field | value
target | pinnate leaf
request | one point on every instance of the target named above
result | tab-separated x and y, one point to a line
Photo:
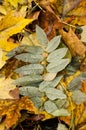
61	112
49	84
78	97
30	91
76	83
50	106
57	54
30	69
41	36
53	44
11	109
28	57
25	48
28	79
58	65
53	94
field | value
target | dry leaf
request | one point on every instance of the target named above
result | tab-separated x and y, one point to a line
10	25
49	24
83	88
6	86
11	109
14	3
2	62
69	5
14	93
71	40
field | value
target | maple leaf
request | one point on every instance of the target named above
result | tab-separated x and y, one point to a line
11	109
10	25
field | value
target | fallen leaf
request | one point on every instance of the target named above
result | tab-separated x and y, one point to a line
83	88
10	25
2	62
69	5
11	109
71	40
83	34
49	24
14	3
6	86
14	93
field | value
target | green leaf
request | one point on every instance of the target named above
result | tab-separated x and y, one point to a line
57	54
27	57
41	36
76	83
53	93
34	94
30	69
50	106
49	76
53	44
37	102
26	80
30	91
60	103
78	97
62	127
25	48
61	112
58	65
49	84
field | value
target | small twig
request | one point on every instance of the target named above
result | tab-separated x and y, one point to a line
21	127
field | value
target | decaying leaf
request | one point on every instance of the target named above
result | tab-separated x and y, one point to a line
69	5
11	109
71	40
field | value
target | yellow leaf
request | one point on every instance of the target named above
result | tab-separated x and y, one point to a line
10	25
2	10
2	126
5	86
2	62
14	3
11	109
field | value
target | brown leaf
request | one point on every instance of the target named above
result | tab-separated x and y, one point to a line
83	65
69	5
11	109
71	40
49	24
14	93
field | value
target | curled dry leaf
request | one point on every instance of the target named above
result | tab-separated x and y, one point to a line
71	40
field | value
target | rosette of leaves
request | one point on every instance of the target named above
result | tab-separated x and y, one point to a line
41	73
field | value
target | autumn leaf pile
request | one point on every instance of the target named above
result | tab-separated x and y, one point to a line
42	64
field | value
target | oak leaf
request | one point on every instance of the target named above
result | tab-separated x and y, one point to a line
11	109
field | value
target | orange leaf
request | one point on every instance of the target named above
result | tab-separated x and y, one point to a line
83	88
11	109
